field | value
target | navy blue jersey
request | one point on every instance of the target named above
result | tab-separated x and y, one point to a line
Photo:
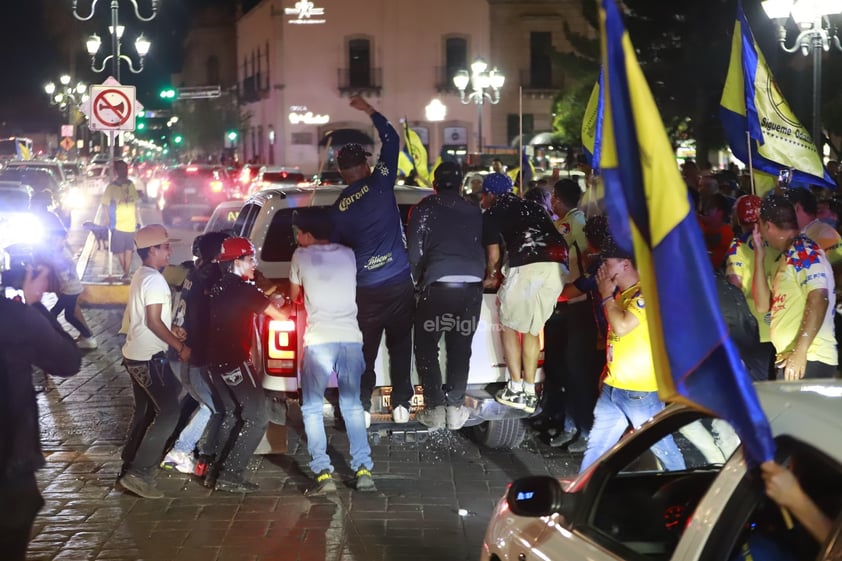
367	218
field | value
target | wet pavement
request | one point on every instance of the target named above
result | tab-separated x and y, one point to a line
435	492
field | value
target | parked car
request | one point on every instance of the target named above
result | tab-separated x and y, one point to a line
40	179
274	176
193	191
224	217
18	226
624	507
329	177
266	219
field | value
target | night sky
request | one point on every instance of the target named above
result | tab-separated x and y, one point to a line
36	39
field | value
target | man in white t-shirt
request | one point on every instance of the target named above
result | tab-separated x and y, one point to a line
154	385
326	274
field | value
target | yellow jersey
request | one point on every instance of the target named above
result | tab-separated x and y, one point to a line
122	197
803	268
740	262
629	358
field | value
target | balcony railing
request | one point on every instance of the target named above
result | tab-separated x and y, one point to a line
352	83
541	81
250	89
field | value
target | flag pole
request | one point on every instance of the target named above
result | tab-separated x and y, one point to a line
522	190
321	167
750	166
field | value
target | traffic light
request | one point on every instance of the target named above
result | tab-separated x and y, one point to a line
168	94
141	124
231	135
178	139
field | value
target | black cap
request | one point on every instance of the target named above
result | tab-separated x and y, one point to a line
352	155
612	250
448	176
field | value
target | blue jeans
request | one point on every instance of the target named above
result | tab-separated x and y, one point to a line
208	417
346	360
614	410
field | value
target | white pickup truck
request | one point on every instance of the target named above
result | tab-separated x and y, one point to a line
266	219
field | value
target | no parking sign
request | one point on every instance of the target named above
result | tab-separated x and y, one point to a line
112	107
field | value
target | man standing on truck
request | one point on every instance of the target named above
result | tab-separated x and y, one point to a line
445	250
534	274
368	221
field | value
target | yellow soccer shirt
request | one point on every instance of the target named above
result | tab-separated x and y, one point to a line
802	268
572	227
124	197
827	238
740	262
629	358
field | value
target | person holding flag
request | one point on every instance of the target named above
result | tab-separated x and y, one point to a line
651	215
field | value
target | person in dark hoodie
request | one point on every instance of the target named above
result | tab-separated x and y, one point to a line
444	239
29	335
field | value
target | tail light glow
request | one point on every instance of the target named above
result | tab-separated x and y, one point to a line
216	186
281	347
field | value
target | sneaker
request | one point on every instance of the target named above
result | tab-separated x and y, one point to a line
364	483
562	438
432	417
400	414
367	416
579	446
241	486
87	342
324	485
530	402
457	416
181	462
510	398
140	486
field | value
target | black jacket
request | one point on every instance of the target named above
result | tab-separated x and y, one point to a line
29	335
444	238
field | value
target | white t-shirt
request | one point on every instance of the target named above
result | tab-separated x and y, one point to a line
148	287
328	275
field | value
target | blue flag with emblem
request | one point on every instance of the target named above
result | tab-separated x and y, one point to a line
752	103
592	126
650	213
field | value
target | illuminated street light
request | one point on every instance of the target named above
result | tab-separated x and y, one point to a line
816	34
485	85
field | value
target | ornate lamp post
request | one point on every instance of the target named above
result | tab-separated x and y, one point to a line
485	85
67	97
816	34
435	112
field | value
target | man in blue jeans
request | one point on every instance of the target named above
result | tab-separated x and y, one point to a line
326	274
629	393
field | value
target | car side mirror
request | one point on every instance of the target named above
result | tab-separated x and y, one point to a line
535	496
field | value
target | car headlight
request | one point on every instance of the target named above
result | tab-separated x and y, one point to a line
23	228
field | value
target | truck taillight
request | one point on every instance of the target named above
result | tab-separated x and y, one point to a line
281	348
216	186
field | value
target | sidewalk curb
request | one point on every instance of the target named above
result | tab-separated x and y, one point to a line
99	294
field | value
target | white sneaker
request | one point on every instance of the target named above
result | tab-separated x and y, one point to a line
400	414
87	342
179	461
367	416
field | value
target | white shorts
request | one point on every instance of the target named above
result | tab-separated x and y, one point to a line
529	294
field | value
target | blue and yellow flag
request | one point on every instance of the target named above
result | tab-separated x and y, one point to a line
418	155
649	211
752	102
405	165
592	125
527	168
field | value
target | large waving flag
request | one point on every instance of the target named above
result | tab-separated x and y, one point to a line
592	125
649	210
526	169
418	155
752	102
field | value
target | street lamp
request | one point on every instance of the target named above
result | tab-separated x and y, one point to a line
67	97
816	34
435	111
93	43
485	86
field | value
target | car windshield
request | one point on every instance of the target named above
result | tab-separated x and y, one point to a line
223	219
14	200
39	179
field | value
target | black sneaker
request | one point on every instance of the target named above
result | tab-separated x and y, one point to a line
140	486
562	438
228	486
530	402
510	398
579	446
324	485
364	483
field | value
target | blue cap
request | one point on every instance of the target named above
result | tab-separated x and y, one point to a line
496	184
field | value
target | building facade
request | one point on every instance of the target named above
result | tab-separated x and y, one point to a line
298	63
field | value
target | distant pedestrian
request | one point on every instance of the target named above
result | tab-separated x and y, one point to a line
368	221
28	336
444	238
324	274
532	279
122	215
234	301
154	385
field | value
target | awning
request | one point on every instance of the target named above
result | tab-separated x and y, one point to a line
341	137
542	139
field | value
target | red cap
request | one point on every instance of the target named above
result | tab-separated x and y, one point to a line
748	209
234	248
